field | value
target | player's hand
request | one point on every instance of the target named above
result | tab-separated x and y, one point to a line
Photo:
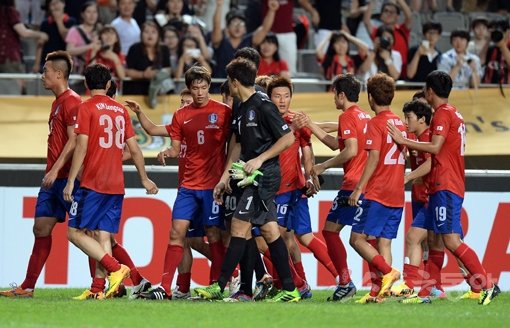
273	5
300	120
252	165
134	106
354	198
310	188
236	171
318	169
68	191
169	152
250	179
395	133
218	192
150	186
49	179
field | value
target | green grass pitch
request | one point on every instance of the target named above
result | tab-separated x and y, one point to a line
55	308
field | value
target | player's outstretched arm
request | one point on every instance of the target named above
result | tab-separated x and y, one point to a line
420	171
301	119
80	151
138	160
433	147
283	143
150	127
171	152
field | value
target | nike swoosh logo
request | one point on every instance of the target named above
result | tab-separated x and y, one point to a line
186	122
440	224
243	212
213	217
191	229
229	213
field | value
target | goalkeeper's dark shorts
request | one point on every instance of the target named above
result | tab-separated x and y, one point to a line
251	208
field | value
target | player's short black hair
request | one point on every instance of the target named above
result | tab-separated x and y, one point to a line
64	58
349	85
97	76
277	82
420	109
440	82
112	90
224	89
242	70
419	95
250	54
196	73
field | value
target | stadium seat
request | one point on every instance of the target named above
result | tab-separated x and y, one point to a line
307	61
444	43
451	20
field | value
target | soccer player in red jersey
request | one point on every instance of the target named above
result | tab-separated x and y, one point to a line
261	136
103	128
383	180
194	236
51	207
417	115
352	126
204	126
291	199
447	177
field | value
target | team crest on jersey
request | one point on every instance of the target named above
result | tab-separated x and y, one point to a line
213	118
251	118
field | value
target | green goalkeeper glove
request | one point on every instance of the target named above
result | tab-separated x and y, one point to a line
250	180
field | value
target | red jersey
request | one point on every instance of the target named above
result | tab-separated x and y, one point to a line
272	68
353	124
447	171
108	126
63	114
205	131
290	159
386	185
419	191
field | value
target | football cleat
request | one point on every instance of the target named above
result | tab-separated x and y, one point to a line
115	279
415	299
438	293
235	283
211	292
121	292
487	295
178	295
272	293
156	294
388	280
142	287
369	299
238	297
16	291
262	287
286	296
88	295
402	290
305	291
343	293
470	295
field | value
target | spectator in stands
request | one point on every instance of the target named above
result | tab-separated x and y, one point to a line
170	12
390	13
106	11
426	6
82	38
326	17
108	52
464	67
171	40
190	54
126	25
234	37
336	59
56	25
271	63
145	59
384	58
498	55
284	30
480	43
11	29
424	57
142	8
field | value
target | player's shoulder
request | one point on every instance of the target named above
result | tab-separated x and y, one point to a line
218	105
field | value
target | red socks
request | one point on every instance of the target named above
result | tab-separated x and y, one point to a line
184	281
173	257
338	255
217	257
40	253
109	263
123	257
411	275
375	277
98	285
320	252
380	264
472	264
300	270
435	262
